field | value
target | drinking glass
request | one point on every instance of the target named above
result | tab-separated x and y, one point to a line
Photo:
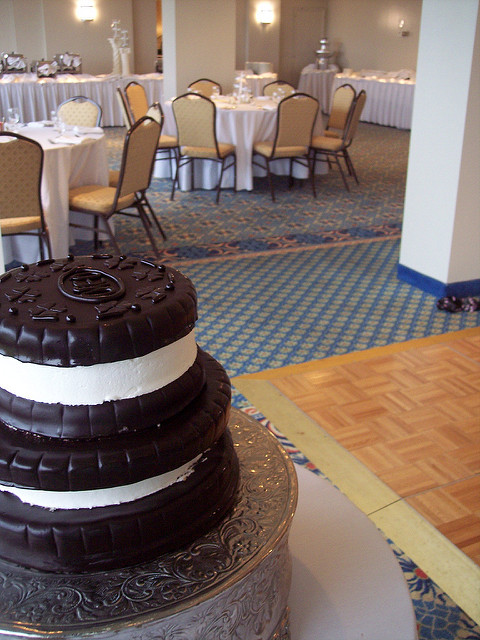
13	118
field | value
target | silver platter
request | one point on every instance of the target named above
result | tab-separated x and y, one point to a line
231	584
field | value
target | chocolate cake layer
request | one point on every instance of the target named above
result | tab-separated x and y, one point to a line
92	309
56	464
117	416
116	536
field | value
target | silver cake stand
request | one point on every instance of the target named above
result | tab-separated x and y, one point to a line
231	584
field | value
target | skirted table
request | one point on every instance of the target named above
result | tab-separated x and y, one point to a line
389	100
37	97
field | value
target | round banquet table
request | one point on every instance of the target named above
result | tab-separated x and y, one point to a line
389	100
241	125
37	97
81	160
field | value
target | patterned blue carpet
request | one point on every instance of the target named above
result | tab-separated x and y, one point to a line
300	279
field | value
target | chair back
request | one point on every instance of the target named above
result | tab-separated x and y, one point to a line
155	111
138	157
195	117
204	87
137	101
284	89
355	117
341	107
21	166
295	120
80	111
122	103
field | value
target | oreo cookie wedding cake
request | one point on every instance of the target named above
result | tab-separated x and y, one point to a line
114	446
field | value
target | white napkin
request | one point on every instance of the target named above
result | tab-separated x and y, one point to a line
66	139
87	130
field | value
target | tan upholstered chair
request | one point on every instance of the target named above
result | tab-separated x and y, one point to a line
340	111
133	181
330	149
284	89
21	211
204	87
124	108
195	116
80	111
295	119
137	100
136	106
167	145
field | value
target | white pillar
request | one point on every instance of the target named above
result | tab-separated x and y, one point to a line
199	41
440	249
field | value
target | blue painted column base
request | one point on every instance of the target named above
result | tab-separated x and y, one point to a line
437	288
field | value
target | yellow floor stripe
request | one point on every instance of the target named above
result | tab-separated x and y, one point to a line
446	565
357	356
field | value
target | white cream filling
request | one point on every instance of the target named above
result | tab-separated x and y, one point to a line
98	383
101	497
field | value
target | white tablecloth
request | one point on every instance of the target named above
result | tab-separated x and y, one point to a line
242	126
64	167
36	98
317	83
346	582
389	101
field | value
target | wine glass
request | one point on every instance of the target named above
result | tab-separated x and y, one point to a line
13	118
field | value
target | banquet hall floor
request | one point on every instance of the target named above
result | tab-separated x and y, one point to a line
397	429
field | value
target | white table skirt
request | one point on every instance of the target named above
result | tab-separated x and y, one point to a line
255	83
389	102
317	83
346	582
64	167
36	98
242	126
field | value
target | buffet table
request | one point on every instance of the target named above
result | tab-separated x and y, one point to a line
389	100
64	166
37	97
317	83
241	125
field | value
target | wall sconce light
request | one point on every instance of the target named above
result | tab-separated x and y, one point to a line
265	13
86	11
402	31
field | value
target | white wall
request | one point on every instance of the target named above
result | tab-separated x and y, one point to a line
441	229
199	42
42	28
365	32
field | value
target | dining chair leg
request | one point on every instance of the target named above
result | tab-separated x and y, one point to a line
342	173
110	234
146	202
290	174
219	186
349	164
147	226
270	181
48	244
234	174
311	171
175	180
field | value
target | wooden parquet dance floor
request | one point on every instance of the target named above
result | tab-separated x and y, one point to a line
397	429
413	418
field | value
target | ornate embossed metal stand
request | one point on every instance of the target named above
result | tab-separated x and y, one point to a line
231	584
